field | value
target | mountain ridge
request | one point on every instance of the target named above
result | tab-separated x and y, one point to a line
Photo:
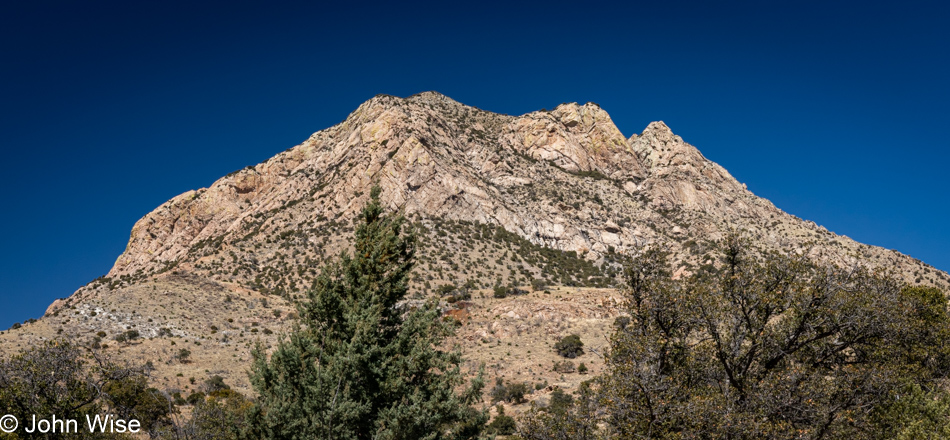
574	138
455	161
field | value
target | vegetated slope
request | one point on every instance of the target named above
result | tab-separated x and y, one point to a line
557	195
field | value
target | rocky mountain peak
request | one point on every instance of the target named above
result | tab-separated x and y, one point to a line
658	127
432	97
565	179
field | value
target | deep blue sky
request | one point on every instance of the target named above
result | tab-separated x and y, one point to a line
835	111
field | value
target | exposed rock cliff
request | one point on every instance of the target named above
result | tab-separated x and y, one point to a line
567	179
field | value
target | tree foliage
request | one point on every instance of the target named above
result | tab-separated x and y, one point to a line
60	379
132	398
221	415
360	365
502	424
770	347
565	417
778	348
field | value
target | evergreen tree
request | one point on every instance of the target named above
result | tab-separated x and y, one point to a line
359	364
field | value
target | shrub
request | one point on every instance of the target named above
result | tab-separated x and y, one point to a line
502	424
510	392
564	367
183	355
177	399
133	398
560	401
215	384
222	416
195	397
570	346
127	336
538	284
500	291
567	418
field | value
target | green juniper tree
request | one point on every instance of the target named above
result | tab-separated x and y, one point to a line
360	364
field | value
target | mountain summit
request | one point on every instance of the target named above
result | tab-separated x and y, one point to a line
566	179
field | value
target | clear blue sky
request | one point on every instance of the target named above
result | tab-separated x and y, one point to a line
835	111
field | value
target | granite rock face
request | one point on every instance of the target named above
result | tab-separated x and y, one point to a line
566	179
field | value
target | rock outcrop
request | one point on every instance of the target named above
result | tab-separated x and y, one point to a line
566	179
